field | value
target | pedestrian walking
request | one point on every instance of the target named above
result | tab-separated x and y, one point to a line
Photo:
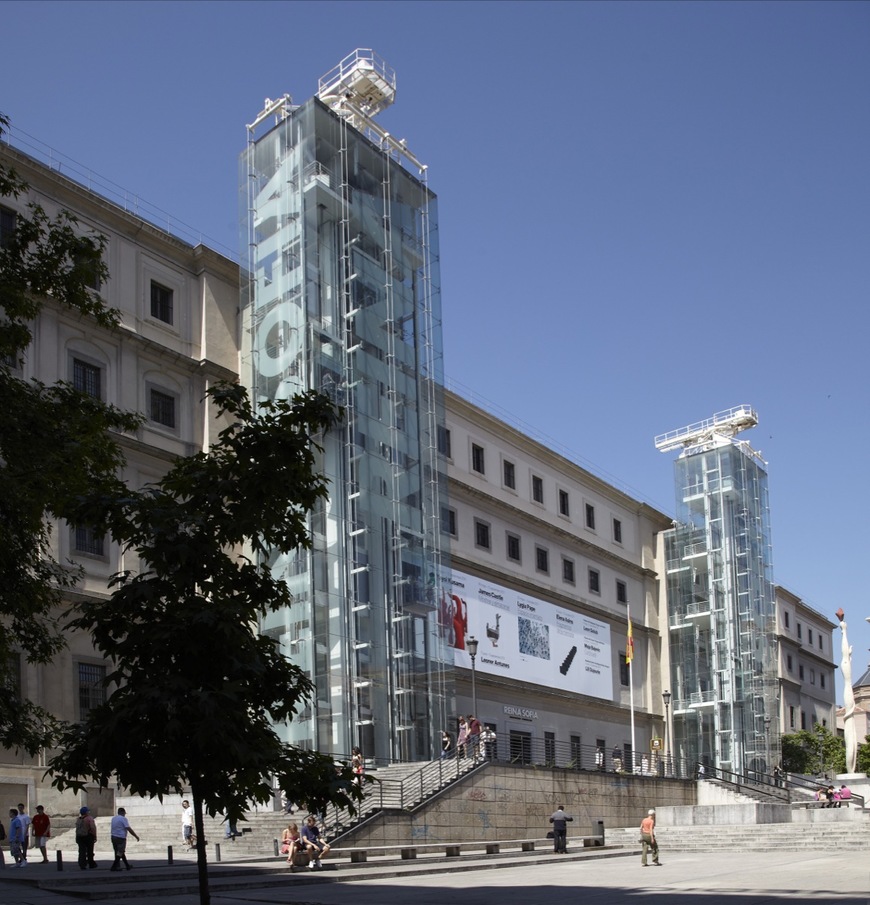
446	745
119	831
41	831
86	838
560	820
25	822
16	838
648	838
187	823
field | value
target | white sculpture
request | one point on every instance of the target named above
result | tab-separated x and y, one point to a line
848	698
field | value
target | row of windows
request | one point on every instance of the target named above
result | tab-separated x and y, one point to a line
513	551
800	632
162	405
791	719
162	297
801	672
509	480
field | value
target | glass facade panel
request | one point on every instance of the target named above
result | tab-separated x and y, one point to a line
341	294
721	611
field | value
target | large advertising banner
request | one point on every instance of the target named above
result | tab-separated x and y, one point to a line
525	639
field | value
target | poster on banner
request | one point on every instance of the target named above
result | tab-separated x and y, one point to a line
523	638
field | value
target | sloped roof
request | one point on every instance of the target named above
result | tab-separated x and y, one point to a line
864	681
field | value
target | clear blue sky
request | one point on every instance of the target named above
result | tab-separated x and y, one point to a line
649	212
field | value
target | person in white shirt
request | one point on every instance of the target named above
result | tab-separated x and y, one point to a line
187	823
119	831
25	823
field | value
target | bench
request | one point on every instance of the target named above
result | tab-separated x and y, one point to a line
845	803
360	855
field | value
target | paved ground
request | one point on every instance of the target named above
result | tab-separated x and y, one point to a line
684	879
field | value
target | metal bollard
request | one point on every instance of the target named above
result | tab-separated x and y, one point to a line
277	847
217	851
169	853
59	859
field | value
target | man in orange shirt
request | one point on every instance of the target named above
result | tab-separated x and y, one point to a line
648	838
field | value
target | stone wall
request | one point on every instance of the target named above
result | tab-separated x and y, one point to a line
514	802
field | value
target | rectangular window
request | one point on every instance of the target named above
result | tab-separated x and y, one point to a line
785	614
791	717
576	752
617	530
161	408
801	672
550	748
520	747
481	534
7	225
590	516
564	503
621	591
510	475
444	443
812	677
821	646
86	541
161	302
822	679
448	521
803	720
478	463
809	636
89	267
537	489
624	671
12	679
800	631
788	663
595	581
542	560
567	570
92	690
513	547
87	378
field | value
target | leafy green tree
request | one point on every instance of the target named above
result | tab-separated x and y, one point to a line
863	761
199	689
55	446
813	752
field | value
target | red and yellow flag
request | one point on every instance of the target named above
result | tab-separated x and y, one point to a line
629	643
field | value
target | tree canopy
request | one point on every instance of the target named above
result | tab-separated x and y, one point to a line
199	689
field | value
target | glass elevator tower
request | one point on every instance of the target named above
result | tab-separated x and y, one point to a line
340	293
721	606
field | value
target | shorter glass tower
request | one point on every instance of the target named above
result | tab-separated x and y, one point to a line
721	605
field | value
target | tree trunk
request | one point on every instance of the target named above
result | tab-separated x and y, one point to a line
201	861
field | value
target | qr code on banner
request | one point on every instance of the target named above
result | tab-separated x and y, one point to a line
534	638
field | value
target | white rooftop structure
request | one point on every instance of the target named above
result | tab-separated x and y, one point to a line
723	426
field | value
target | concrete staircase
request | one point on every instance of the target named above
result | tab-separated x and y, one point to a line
398	787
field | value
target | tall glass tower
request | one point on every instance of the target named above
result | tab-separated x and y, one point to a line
340	293
721	605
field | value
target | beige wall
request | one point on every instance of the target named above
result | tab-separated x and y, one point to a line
504	802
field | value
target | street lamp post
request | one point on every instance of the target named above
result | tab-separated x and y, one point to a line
767	742
471	647
666	697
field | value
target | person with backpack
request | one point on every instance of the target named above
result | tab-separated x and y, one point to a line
86	838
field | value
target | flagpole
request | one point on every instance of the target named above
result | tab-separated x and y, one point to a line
630	657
